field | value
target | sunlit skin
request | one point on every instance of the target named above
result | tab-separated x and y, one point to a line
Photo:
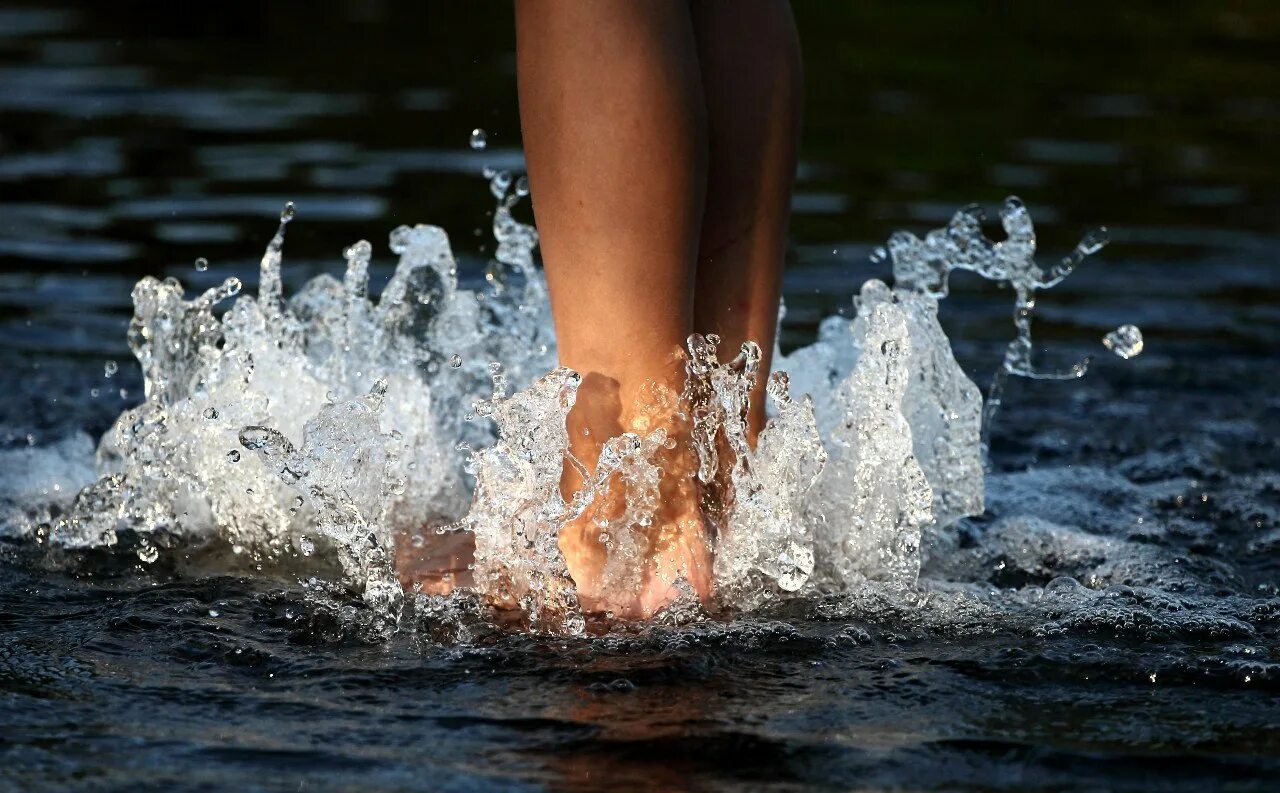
660	138
675	544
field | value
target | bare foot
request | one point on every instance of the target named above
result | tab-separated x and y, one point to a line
681	550
675	544
438	562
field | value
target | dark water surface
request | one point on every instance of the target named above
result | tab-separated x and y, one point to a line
133	140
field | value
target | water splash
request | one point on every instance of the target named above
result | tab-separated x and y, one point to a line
316	367
874	492
926	266
518	512
324	424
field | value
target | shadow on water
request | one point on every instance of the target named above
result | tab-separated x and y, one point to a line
134	140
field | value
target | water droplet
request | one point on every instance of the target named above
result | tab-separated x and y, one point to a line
400	238
148	553
288	212
214	613
110	368
306	546
479	139
455	361
202	264
1125	341
210	413
499	184
879	254
575	625
522	186
1094	241
233	456
795	565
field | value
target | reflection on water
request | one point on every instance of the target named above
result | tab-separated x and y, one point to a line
1152	483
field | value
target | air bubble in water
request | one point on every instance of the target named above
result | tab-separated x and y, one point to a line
574	625
233	456
1125	341
110	368
202	264
455	361
210	413
479	139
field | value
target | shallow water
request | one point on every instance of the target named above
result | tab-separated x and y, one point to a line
1152	482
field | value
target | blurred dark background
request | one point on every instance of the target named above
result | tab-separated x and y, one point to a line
137	137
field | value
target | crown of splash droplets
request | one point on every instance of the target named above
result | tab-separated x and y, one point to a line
351	415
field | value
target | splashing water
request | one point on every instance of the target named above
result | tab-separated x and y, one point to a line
327	423
316	369
926	266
